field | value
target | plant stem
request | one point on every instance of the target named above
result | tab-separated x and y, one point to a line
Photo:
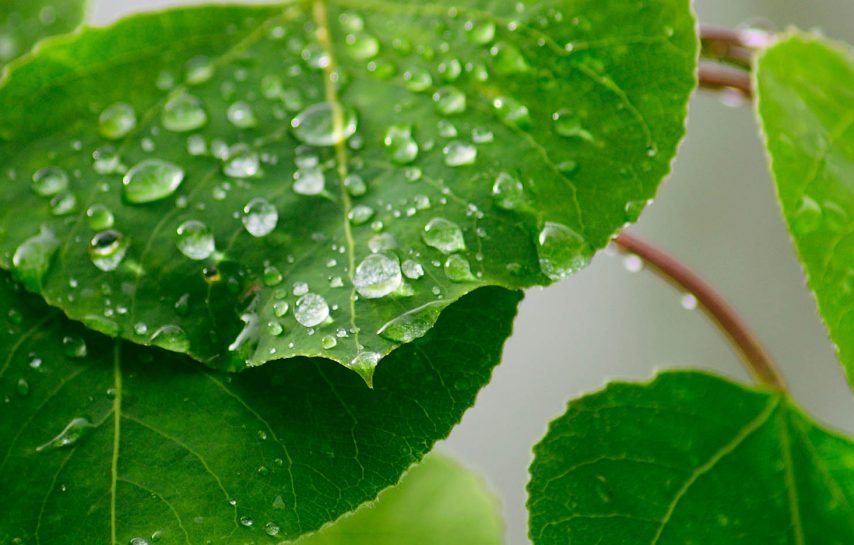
717	77
758	362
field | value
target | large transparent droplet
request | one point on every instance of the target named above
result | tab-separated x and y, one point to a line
70	435
508	192
117	120
413	324
151	180
260	217
458	269
49	181
444	235
107	249
562	252
458	154
309	181
449	100
377	276
183	113
400	145
362	46
32	259
195	240
243	162
412	269
171	337
324	124
311	310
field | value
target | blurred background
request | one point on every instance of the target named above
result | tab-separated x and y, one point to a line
717	213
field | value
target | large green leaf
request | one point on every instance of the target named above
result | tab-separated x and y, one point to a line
437	503
102	441
24	22
805	92
249	103
690	459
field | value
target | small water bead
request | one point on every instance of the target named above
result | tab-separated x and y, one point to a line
362	46
171	337
482	136
272	276
447	129
309	181
458	269
382	242
807	217
449	100
480	32
378	275
246	521
74	347
458	154
117	120
8	47
22	387
633	263
260	217
360	214
243	162
32	259
242	116
422	202
508	192
151	180
325	124
196	145
107	249
412	174
328	342
63	203
315	56
70	435
300	288
182	305
444	235
198	70
50	181
183	113
450	69
311	310
507	59
688	301
280	308
272	529
195	240
512	112
569	125
365	363
275	328
417	80
106	160
138	541
635	208
413	324
562	252
400	145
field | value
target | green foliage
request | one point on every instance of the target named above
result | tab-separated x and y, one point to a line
246	184
24	22
437	503
690	458
124	441
805	89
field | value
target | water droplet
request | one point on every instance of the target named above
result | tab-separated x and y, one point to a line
324	124
507	59
260	217
50	181
447	129
246	521
808	216
378	275
183	113
300	288
280	308
508	192
171	337
688	302
382	242
512	112
450	69
106	160
569	125
63	203
138	541
365	363
328	342
444	235
459	154
243	162
362	46
241	115
272	276
355	185
562	252
449	100
412	269
117	120
417	80
151	180
32	259
360	214
458	269
400	145
633	263
70	435
634	209
182	305
480	32
413	324
22	387
309	181
195	240
198	70
311	310
107	249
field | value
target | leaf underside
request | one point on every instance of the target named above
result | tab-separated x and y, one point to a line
158	443
805	90
570	114
25	22
690	458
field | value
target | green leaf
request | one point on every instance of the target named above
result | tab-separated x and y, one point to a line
437	503
805	89
690	458
210	109
24	22
102	441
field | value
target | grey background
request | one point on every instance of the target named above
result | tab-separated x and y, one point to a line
717	213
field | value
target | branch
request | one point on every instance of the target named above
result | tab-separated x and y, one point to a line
756	358
718	77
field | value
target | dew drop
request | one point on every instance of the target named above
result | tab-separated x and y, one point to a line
151	180
328	342
272	529
117	120
480	32
365	363
70	435
355	185
50	181
458	269
107	249
195	240
508	192
688	301
246	521
260	217
309	181
562	252
449	100
198	70
569	125
311	310
183	113
138	541
458	154
412	269
317	125
808	216
243	162
382	242
417	80
634	209
400	145
63	203
507	59
512	112
106	160
444	235
22	387
413	324
280	308
378	275
241	115
362	46
32	259
360	214
171	337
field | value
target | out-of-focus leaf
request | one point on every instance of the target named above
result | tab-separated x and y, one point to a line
24	22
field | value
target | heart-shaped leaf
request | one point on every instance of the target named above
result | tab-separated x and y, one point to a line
102	441
24	22
690	458
805	90
437	503
323	178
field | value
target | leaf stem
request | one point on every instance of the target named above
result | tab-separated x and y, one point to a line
758	362
717	77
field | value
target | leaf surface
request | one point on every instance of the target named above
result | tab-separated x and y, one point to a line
805	89
690	458
102	441
438	502
244	184
24	22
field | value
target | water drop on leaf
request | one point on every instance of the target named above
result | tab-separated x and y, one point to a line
117	120
107	249
183	113
70	435
32	259
324	124
562	252
151	180
413	324
311	310
378	275
50	181
171	337
260	217
444	235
